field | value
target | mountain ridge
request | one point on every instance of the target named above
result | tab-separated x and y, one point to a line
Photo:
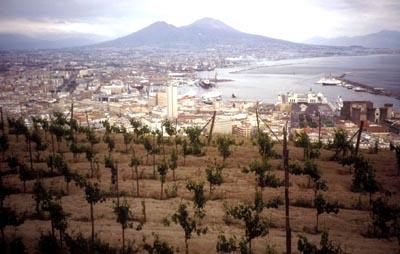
381	39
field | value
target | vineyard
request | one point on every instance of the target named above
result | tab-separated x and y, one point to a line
67	188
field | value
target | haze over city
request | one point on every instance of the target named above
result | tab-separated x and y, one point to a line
290	20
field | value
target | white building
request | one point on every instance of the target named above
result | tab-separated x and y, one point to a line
309	97
172	101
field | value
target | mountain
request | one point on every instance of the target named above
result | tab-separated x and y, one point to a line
202	33
22	42
382	39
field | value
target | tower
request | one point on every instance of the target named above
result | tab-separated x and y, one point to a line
172	101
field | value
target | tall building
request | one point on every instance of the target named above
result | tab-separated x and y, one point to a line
172	101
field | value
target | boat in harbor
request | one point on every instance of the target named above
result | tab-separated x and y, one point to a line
329	81
348	86
360	89
206	84
210	97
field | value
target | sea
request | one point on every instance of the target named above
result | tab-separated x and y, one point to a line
265	80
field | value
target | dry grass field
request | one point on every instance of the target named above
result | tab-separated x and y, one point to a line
345	228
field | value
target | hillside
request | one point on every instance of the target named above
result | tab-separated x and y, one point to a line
23	42
382	39
202	33
345	228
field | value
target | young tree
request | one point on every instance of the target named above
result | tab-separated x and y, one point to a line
58	130
136	125
199	198
158	246
303	140
340	144
162	171
8	217
255	226
185	151
224	142
124	215
109	163
363	176
90	156
40	196
58	218
4	145
311	169
148	147
265	145
385	219
193	134
188	224
214	176
326	246
263	177
225	245
323	206
128	137
135	162
397	152
24	174
93	195
108	139
40	145
173	163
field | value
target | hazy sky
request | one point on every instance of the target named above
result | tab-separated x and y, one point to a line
295	20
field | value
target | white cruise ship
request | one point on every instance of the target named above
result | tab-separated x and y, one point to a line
329	81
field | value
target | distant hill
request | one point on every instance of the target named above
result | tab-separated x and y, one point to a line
382	39
202	33
22	42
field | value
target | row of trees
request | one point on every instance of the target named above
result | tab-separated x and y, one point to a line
154	143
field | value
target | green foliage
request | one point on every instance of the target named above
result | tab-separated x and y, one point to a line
326	246
265	145
224	142
40	195
124	214
199	198
48	244
187	223
108	139
162	171
169	127
225	245
93	194
263	174
4	143
57	215
193	134
9	217
255	226
364	174
340	144
323	206
157	246
385	219
173	161
16	246
214	175
109	163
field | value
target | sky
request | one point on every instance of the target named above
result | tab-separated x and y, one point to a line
294	20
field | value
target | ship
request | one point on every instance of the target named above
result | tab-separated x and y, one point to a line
206	84
329	81
210	97
360	89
